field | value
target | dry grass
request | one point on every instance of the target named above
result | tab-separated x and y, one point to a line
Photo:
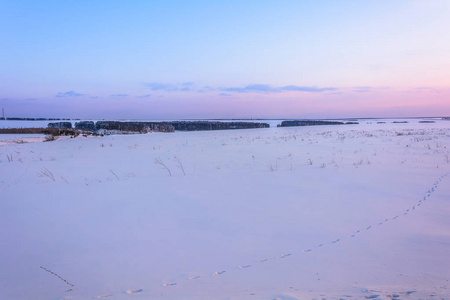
49	138
115	174
180	165
46	173
49	131
158	161
25	130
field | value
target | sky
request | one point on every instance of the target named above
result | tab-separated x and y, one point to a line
224	59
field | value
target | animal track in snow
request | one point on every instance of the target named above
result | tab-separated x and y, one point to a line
285	255
169	284
245	267
308	249
134	291
218	273
104	296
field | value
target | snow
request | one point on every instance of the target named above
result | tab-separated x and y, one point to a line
6	139
289	213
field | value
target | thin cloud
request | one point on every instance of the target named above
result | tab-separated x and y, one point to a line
206	89
426	89
249	88
144	96
311	89
155	86
362	89
69	94
265	88
120	95
224	95
169	87
366	89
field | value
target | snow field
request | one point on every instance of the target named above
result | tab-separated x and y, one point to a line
288	213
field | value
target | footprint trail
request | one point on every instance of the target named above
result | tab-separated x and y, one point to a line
287	255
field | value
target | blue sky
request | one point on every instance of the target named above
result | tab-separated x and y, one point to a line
230	59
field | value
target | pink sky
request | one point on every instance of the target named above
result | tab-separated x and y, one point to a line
247	59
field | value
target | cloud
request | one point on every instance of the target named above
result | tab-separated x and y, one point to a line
144	96
311	89
265	88
154	86
119	95
362	89
69	94
249	88
169	87
206	89
224	94
426	89
366	89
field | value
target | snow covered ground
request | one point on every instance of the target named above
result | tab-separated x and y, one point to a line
335	212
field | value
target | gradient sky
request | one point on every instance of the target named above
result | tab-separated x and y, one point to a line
224	59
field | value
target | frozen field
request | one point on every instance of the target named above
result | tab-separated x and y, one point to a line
334	212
